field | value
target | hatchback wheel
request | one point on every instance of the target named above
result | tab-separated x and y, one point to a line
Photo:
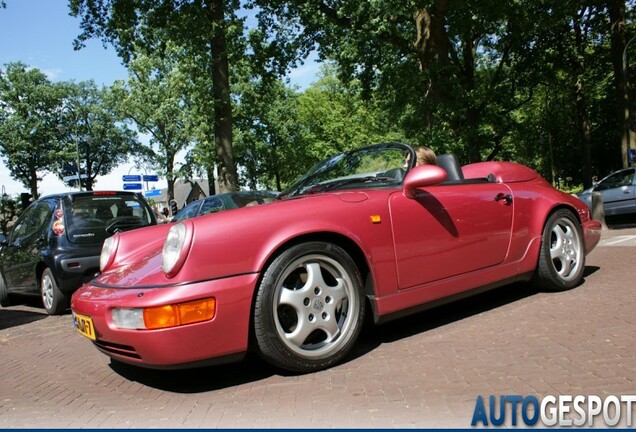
309	307
55	301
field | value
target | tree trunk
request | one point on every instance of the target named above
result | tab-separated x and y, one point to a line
432	47
211	180
473	114
170	174
621	77
435	53
580	100
89	181
33	184
228	178
586	134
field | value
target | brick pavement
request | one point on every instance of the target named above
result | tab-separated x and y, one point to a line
421	371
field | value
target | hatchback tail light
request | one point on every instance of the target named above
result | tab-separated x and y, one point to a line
58	227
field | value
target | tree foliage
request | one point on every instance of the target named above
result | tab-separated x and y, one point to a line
535	81
203	30
469	76
155	99
10	208
93	134
29	107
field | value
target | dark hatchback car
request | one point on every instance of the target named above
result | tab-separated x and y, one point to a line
224	201
54	246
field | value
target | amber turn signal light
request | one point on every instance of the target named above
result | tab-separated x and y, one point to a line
179	314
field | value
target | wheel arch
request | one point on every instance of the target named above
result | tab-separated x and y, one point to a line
556	208
347	244
542	220
39	270
351	247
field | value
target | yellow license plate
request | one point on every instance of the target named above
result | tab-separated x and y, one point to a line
84	325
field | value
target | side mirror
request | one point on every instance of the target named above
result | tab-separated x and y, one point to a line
422	176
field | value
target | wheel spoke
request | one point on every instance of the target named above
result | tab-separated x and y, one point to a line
560	236
314	276
301	332
292	297
557	254
566	266
330	327
337	292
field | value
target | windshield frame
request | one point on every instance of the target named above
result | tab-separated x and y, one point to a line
320	174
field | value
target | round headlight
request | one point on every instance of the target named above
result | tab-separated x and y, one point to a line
176	247
108	252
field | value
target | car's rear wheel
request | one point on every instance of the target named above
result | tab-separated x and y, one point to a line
55	301
562	256
4	293
309	307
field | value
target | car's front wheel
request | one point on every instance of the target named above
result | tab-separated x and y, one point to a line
55	301
309	307
562	256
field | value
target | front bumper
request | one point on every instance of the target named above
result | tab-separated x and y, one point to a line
73	272
225	335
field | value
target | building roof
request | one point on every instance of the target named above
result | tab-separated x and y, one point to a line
185	191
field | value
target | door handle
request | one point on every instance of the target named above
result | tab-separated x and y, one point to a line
506	198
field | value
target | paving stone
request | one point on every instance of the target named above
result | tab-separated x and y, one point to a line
426	370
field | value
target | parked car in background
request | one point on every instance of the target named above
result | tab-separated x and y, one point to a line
54	246
618	192
293	279
224	201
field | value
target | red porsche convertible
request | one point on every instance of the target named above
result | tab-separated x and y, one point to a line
361	233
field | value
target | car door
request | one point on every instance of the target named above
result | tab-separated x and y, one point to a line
618	192
448	230
28	238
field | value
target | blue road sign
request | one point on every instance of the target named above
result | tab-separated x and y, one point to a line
132	186
152	193
131	178
151	178
631	155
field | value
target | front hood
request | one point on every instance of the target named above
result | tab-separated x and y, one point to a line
138	250
235	242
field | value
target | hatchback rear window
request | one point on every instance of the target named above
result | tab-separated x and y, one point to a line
90	219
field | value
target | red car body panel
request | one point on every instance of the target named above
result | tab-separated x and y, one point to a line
444	241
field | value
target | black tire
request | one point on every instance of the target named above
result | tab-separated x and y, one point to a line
309	307
4	293
55	301
562	255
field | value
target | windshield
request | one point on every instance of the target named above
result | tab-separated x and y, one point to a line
369	167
